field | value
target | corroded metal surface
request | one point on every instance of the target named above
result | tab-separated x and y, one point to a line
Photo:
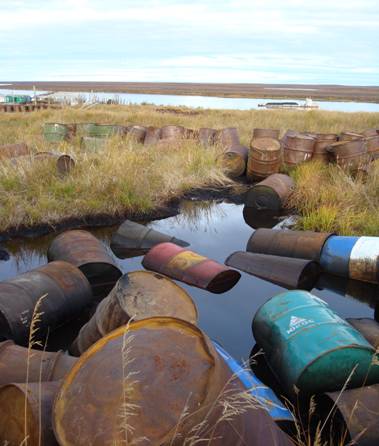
65	163
283	271
41	365
227	137
152	136
298	148
133	238
137	295
14	150
207	136
172	132
349	136
35	400
264	158
320	151
66	292
373	146
271	193
137	133
266	133
369	328
159	367
298	244
86	252
350	154
190	267
234	160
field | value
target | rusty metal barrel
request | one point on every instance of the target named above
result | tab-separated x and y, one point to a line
192	134
233	161
372	143
14	150
349	154
264	158
132	239
190	267
137	295
64	163
349	136
26	413
320	151
160	369
137	133
66	290
369	329
152	136
285	243
370	132
271	193
207	136
172	132
266	133
227	137
85	251
287	272
298	148
20	364
353	415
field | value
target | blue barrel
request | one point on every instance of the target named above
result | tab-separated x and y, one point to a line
352	257
309	347
263	394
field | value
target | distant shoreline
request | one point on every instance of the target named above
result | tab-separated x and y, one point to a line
264	91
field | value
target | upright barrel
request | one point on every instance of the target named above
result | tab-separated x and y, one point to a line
265	133
157	366
86	252
264	158
66	293
352	257
271	193
207	136
320	151
14	150
298	148
234	160
350	154
286	243
172	132
137	295
227	137
309	347
152	136
137	133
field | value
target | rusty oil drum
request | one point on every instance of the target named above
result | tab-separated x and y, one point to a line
227	137
286	243
264	158
369	329
286	272
207	136
137	133
66	290
353	416
372	143
86	252
320	152
266	133
157	366
349	136
173	132
233	161
190	267
132	239
298	148
152	136
350	154
64	163
271	193
35	400
20	364
137	295
14	150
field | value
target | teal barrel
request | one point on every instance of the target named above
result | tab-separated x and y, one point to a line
56	132
309	346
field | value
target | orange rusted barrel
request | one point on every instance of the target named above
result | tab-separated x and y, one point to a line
350	154
190	267
14	150
137	133
266	133
372	143
26	414
64	163
137	295
349	136
86	252
227	137
370	132
264	158
207	136
298	148
271	193
20	364
168	382
152	136
234	160
320	152
66	290
172	132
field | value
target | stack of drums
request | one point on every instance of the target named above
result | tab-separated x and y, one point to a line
298	148
320	151
264	158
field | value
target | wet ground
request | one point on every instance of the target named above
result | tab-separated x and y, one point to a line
215	229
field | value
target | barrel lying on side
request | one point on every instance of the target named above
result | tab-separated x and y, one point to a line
369	329
372	143
86	252
298	244
64	163
20	364
66	293
308	346
283	271
190	267
264	158
350	154
27	407
14	150
271	193
137	295
133	239
349	136
234	160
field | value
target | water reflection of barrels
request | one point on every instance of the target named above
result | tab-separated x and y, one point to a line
260	218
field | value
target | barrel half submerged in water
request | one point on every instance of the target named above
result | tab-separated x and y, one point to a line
352	257
308	346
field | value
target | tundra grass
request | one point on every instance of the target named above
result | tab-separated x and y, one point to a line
128	177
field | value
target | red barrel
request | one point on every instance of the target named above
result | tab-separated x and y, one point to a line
190	267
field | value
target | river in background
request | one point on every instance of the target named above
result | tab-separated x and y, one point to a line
215	229
197	101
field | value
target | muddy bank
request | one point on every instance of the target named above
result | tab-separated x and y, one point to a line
169	209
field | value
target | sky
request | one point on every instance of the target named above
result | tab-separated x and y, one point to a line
248	41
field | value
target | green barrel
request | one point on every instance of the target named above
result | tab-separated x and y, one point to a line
92	144
309	346
106	130
55	132
85	128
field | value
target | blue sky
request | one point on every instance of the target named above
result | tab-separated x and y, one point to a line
273	41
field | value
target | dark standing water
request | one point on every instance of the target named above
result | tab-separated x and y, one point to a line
216	230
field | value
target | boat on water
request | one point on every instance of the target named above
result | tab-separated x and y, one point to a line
308	104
